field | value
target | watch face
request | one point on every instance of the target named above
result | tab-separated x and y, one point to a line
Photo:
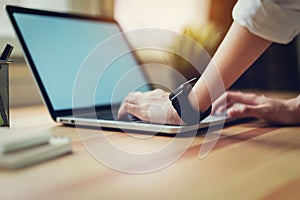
181	88
176	92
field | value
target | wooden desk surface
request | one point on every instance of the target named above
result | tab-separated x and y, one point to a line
250	161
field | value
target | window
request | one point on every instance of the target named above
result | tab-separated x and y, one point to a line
168	14
20	77
7	31
7	35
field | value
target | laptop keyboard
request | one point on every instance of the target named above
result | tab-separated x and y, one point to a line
104	114
110	115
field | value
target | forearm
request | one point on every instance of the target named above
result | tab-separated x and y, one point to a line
239	49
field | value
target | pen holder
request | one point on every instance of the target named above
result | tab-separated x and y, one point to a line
4	94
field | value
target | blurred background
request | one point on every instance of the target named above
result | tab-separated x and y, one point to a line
205	21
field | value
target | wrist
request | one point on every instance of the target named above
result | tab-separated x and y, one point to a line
195	102
294	105
183	106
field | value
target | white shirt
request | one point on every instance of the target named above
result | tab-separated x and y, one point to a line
274	20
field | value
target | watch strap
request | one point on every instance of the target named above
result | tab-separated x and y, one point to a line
184	108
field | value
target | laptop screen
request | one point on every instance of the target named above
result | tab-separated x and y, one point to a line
58	47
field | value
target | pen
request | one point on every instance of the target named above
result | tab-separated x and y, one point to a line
5	54
3	116
3	60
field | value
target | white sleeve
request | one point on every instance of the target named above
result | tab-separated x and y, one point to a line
274	20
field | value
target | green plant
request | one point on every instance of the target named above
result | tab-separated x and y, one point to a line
194	42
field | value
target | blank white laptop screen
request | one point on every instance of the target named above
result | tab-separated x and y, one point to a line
59	46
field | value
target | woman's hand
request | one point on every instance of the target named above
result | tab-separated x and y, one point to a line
274	111
153	106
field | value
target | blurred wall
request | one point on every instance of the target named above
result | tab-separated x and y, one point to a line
23	90
277	69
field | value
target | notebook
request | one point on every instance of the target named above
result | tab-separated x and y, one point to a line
22	149
57	44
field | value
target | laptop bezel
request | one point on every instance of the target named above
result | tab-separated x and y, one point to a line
65	112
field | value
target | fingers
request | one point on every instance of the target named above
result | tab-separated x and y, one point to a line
153	106
273	111
133	97
240	97
230	98
128	108
122	110
258	111
220	105
136	103
225	101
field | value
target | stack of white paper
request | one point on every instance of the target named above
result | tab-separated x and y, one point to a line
20	150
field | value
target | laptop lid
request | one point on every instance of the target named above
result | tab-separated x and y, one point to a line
55	46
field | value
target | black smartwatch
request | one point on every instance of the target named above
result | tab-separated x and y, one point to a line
181	103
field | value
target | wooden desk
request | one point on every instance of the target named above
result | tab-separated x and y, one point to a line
250	161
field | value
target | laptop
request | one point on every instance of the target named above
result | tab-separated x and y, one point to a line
55	46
